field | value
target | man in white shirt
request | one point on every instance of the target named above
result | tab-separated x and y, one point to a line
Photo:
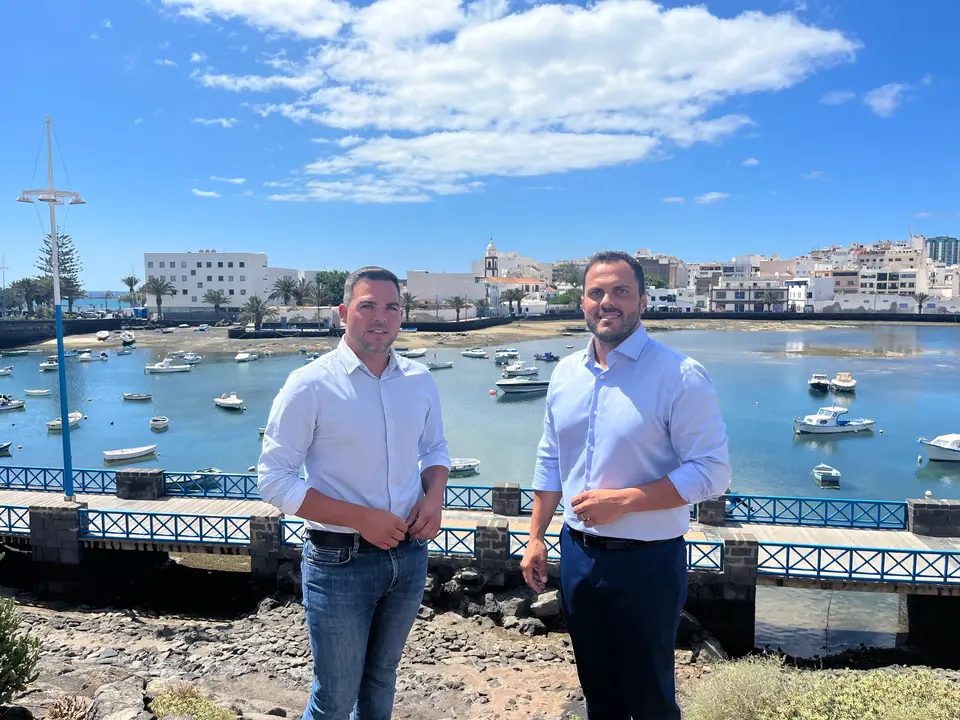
366	426
632	435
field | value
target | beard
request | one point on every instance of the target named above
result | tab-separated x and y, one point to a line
364	343
620	331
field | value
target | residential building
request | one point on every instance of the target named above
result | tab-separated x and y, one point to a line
777	267
943	249
846	280
889	254
797	291
429	287
238	275
742	266
671	271
892	281
808	265
753	294
511	264
675	300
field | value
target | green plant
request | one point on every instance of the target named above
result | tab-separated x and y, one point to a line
748	689
187	700
19	653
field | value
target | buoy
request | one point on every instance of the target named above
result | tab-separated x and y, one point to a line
111	422
919	459
928	494
881	432
84	417
19	447
493	392
758	402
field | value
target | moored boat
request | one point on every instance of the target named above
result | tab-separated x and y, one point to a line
843	382
819	381
828	420
8	370
159	422
90	357
475	353
826	476
124	351
522	385
439	364
5	447
128	338
37	393
229	402
73	419
49	364
245	357
414	353
167	366
191	358
129	453
518	369
8	402
546	357
464	466
103	335
137	396
943	448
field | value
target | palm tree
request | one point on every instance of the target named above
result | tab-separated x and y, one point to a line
920	298
409	301
255	310
28	289
302	290
458	303
283	289
514	295
215	298
106	296
481	305
158	288
315	297
131	281
769	298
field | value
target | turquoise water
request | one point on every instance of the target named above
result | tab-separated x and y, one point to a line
760	378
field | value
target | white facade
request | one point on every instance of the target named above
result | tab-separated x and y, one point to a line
428	286
239	275
512	264
797	290
893	281
678	300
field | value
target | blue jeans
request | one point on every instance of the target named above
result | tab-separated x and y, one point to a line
360	607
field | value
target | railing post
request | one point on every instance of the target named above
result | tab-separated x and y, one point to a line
491	548
712	511
140	483
265	549
934	517
506	499
56	548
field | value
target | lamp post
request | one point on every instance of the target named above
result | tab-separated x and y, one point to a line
3	284
54	197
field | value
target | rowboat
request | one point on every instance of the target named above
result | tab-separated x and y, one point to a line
229	402
415	353
13	353
90	357
192	358
245	357
73	420
159	422
137	396
122	352
128	338
826	476
128	453
37	393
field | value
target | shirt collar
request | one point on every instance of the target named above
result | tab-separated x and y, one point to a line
632	347
351	362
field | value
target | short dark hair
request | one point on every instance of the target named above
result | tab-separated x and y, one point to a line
615	256
369	272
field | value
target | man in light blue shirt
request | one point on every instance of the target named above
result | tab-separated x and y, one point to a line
632	436
366	426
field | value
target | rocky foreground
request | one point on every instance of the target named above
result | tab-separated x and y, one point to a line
259	665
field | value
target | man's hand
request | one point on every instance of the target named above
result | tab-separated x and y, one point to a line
381	527
424	520
599	507
534	565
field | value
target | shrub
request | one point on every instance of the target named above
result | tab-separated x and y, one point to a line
19	653
761	688
72	707
187	700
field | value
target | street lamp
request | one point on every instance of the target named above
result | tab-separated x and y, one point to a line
3	284
54	197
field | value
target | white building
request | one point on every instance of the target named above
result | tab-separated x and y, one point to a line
797	291
429	287
679	300
512	264
753	294
238	275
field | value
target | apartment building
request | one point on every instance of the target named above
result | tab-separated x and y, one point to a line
238	275
893	281
670	270
889	254
754	294
846	280
943	249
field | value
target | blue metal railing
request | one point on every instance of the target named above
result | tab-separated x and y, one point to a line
291	532
857	563
14	520
519	540
468	497
42	479
241	486
820	512
164	527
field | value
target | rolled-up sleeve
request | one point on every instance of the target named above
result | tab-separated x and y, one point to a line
699	437
286	440
546	474
433	444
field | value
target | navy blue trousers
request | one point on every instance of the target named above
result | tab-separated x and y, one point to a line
622	608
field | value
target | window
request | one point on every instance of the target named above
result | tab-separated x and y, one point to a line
200	285
219	278
209	278
193	272
230	291
199	264
163	277
209	264
243	277
220	264
739	296
721	295
721	307
183	264
229	278
230	264
242	264
150	277
183	278
193	298
150	264
161	263
183	292
243	291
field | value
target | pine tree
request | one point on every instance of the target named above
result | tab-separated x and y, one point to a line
68	260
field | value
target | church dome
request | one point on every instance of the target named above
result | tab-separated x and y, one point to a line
491	248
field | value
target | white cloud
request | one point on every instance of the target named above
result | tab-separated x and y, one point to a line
926	79
164	62
206	193
674	199
710	198
234	181
107	24
225	123
616	81
750	162
885	99
838	97
923	214
138	120
814	175
94	36
198	57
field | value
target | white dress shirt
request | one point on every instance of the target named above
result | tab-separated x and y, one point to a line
652	413
360	438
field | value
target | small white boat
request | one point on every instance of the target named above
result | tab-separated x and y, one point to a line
203	328
229	402
103	335
503	355
944	448
245	357
37	393
167	330
183	325
439	365
50	364
522	385
826	476
192	358
166	366
6	370
261	430
129	453
843	382
137	396
518	369
415	353
159	422
475	353
127	337
90	357
464	466
8	402
73	420
827	421
819	381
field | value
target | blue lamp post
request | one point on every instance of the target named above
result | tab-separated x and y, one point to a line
54	197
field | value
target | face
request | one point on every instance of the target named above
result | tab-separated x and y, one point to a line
612	302
372	318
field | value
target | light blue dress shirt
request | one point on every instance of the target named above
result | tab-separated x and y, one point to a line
652	413
360	438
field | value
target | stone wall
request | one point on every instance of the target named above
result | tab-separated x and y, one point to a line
16	333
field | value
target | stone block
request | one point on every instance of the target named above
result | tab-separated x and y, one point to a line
266	553
506	499
492	543
713	511
934	517
140	483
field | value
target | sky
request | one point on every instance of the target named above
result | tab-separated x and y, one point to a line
408	133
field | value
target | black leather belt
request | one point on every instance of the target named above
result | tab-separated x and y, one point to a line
325	538
611	543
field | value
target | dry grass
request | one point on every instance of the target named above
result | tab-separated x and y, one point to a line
72	707
187	700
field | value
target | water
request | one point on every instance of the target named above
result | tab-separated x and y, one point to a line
760	378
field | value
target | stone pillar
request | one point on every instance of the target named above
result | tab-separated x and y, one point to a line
265	550
506	499
935	517
140	483
713	511
929	623
491	548
55	544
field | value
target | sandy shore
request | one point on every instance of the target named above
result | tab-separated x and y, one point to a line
216	340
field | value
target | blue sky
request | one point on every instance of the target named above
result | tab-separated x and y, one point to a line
408	132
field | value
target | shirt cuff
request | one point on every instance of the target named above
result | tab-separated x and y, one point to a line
434	459
547	479
689	483
293	498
